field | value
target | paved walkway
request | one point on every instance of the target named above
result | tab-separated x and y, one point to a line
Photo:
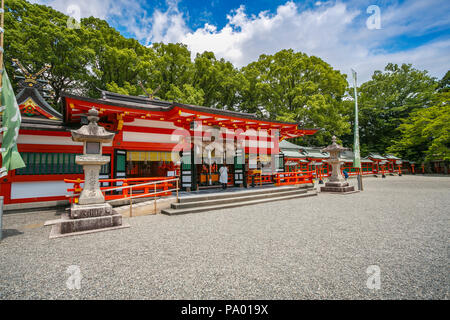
312	248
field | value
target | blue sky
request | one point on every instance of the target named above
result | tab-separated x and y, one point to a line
414	31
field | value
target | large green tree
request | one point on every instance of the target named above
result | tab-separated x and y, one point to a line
293	86
118	62
219	80
387	100
402	109
37	35
425	134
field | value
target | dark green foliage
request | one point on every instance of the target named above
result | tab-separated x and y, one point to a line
402	109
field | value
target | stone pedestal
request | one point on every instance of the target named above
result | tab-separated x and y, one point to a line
93	223
90	211
337	187
67	226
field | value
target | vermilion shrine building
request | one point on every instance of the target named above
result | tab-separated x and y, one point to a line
156	138
146	144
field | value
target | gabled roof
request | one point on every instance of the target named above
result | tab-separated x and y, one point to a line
113	97
147	103
376	156
289	153
391	157
36	113
32	103
291	150
314	152
284	144
125	108
349	155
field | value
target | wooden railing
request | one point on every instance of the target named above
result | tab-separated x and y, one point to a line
258	178
159	188
291	178
124	188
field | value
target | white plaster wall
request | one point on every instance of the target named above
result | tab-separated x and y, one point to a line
52	140
20	190
150	137
49	140
151	124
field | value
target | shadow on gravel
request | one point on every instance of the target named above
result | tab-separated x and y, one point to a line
10	233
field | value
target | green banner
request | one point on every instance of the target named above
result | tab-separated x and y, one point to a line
356	151
11	120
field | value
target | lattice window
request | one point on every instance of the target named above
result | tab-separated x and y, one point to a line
39	163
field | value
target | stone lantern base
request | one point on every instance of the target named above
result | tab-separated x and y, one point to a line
79	211
337	187
84	219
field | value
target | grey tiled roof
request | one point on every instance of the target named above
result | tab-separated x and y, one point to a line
376	156
284	144
314	152
290	153
391	157
143	103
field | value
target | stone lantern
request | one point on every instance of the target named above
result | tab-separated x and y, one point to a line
91	213
336	182
92	136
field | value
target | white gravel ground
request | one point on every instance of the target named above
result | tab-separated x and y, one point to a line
312	248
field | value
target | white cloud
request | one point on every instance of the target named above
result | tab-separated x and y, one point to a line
98	8
168	26
331	30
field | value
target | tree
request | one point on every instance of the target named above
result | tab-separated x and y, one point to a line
118	61
444	84
172	67
387	100
187	94
426	133
294	87
219	80
37	35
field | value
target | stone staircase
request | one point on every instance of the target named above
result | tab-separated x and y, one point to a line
227	199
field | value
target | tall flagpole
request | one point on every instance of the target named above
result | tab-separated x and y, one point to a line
2	21
356	151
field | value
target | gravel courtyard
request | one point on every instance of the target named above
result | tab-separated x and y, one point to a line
312	248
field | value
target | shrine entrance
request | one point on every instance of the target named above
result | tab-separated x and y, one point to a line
202	172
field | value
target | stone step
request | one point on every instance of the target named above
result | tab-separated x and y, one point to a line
236	204
238	197
230	194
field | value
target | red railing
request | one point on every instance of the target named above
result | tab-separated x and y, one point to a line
364	173
290	178
120	188
259	178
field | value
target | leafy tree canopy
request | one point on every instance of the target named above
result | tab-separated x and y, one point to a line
402	109
388	99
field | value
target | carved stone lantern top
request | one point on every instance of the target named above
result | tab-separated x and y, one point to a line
334	147
92	132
